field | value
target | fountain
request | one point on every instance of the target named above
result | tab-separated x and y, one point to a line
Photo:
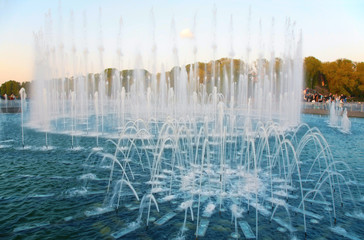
212	150
22	99
339	118
345	122
334	119
289	177
272	88
5	108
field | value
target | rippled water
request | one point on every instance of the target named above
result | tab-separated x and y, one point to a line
43	191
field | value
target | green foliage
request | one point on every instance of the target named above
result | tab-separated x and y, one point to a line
313	71
10	87
26	86
344	77
360	77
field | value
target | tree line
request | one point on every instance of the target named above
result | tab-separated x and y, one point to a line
205	72
342	76
13	87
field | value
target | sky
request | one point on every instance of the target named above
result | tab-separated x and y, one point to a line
158	34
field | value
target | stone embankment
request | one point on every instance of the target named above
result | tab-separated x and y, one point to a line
354	109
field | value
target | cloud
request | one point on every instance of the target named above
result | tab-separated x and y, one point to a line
186	33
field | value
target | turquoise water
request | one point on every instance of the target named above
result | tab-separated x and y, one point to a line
53	192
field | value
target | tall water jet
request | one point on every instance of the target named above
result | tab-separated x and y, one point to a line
103	83
235	214
85	79
196	78
96	106
214	47
22	99
153	82
73	116
6	102
345	122
334	119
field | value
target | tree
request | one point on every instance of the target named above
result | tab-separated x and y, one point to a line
278	66
313	71
360	77
26	86
10	87
340	76
329	70
346	73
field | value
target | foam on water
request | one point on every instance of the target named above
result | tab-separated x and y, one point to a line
78	148
26	147
98	211
97	149
314	221
167	198
7	141
4	146
69	218
41	195
89	176
43	148
130	228
76	192
284	224
209	209
342	232
30	226
356	214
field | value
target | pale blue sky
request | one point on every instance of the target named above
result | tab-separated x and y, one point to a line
331	29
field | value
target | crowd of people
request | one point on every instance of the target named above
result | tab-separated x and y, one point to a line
11	97
310	95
